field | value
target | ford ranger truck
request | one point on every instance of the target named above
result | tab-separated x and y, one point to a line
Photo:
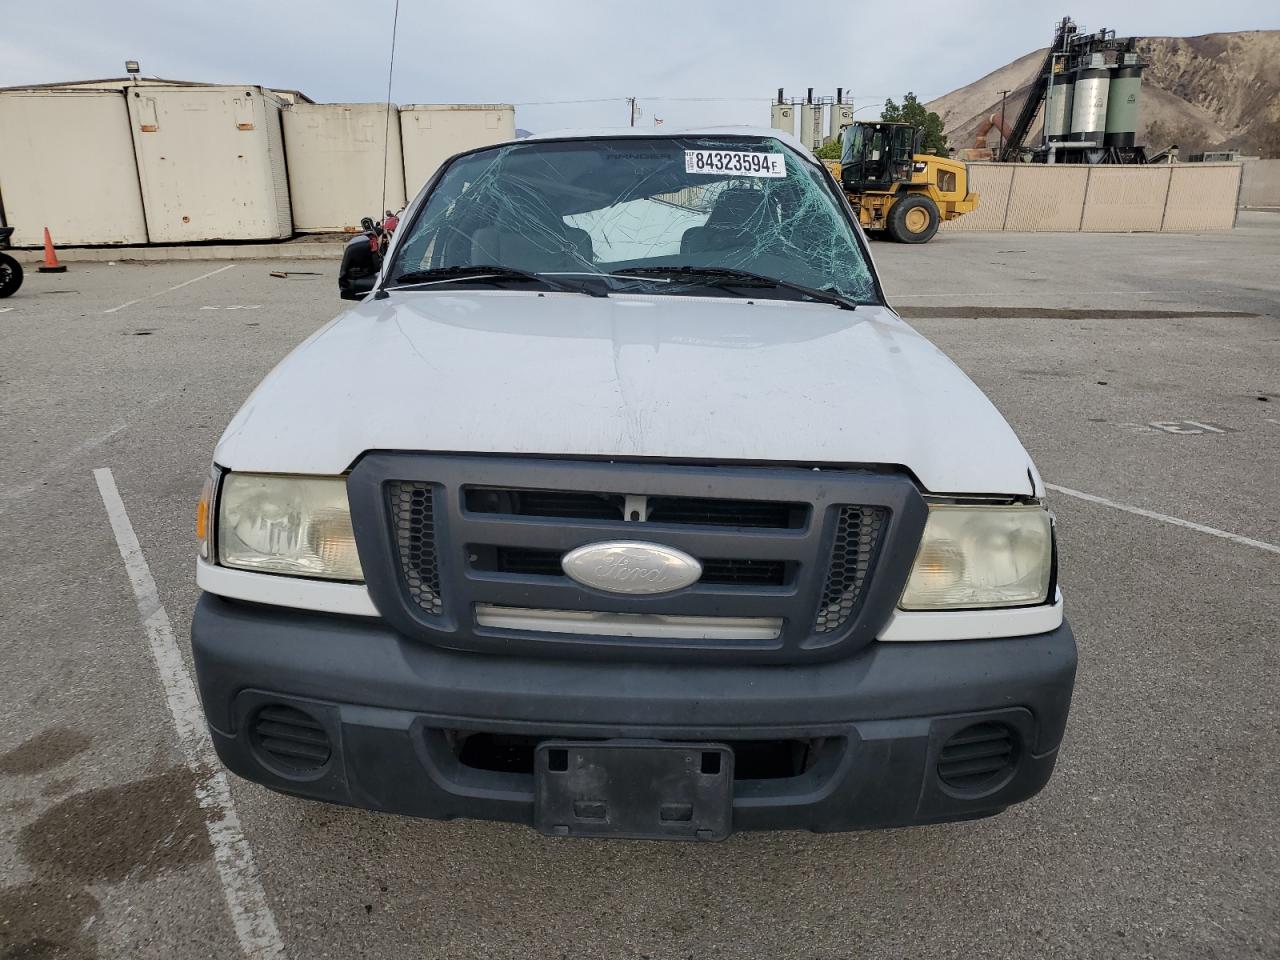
623	505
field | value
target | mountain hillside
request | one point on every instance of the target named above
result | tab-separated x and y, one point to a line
1218	90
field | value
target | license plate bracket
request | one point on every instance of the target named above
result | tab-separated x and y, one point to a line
636	789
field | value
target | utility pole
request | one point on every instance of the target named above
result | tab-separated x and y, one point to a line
1003	94
632	101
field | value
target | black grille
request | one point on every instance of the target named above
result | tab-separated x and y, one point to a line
759	573
695	511
978	758
726	513
567	504
413	518
546	563
857	537
443	535
290	739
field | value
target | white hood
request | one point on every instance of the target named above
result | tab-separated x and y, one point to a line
702	378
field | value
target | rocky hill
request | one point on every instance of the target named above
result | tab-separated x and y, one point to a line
1220	90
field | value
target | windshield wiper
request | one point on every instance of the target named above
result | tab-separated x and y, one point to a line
729	276
477	271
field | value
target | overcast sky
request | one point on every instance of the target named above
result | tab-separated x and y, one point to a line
688	61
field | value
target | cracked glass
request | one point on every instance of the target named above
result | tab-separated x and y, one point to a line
591	210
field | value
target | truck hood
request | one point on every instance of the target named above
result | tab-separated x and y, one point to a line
703	378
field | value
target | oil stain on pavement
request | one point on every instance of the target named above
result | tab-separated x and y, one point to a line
44	751
132	832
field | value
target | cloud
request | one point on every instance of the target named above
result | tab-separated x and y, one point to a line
688	61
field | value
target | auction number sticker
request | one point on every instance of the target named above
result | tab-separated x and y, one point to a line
738	162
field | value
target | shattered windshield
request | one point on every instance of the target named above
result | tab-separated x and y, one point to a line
662	215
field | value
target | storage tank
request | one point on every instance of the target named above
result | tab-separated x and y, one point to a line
66	162
336	154
841	117
211	163
811	125
1057	111
431	133
1122	102
783	117
1089	103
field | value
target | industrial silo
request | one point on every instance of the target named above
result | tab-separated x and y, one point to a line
783	116
811	124
1122	102
1057	113
1089	108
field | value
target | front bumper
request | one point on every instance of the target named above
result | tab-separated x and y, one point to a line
392	711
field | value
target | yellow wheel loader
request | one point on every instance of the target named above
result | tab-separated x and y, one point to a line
894	187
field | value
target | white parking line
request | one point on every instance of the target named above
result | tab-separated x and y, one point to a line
254	923
178	286
1164	518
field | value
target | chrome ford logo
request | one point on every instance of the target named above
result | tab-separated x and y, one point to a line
627	566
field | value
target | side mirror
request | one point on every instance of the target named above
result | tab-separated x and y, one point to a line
360	265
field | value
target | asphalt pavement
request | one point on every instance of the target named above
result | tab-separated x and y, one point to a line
1143	374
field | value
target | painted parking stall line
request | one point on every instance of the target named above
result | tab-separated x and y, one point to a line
176	286
1165	518
251	916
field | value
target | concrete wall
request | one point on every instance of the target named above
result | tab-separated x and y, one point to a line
211	163
430	133
1261	185
49	179
335	153
132	162
1185	198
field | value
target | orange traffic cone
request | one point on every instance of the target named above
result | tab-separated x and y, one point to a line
51	264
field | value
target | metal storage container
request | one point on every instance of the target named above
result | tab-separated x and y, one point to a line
1057	113
432	132
1122	103
1089	106
66	162
336	172
211	163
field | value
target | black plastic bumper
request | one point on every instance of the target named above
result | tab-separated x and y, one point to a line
392	710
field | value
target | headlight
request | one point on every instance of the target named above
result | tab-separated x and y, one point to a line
981	557
293	525
204	514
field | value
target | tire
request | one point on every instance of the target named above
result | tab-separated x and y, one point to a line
10	275
913	219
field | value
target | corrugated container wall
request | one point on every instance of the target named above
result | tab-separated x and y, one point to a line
336	173
66	162
211	163
433	132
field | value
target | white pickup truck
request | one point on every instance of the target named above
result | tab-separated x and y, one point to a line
623	505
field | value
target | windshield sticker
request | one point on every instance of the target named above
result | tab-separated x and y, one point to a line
737	162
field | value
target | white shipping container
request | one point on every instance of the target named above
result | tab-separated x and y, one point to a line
66	162
336	173
211	162
433	132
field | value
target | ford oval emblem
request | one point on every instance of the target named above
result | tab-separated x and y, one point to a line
628	566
